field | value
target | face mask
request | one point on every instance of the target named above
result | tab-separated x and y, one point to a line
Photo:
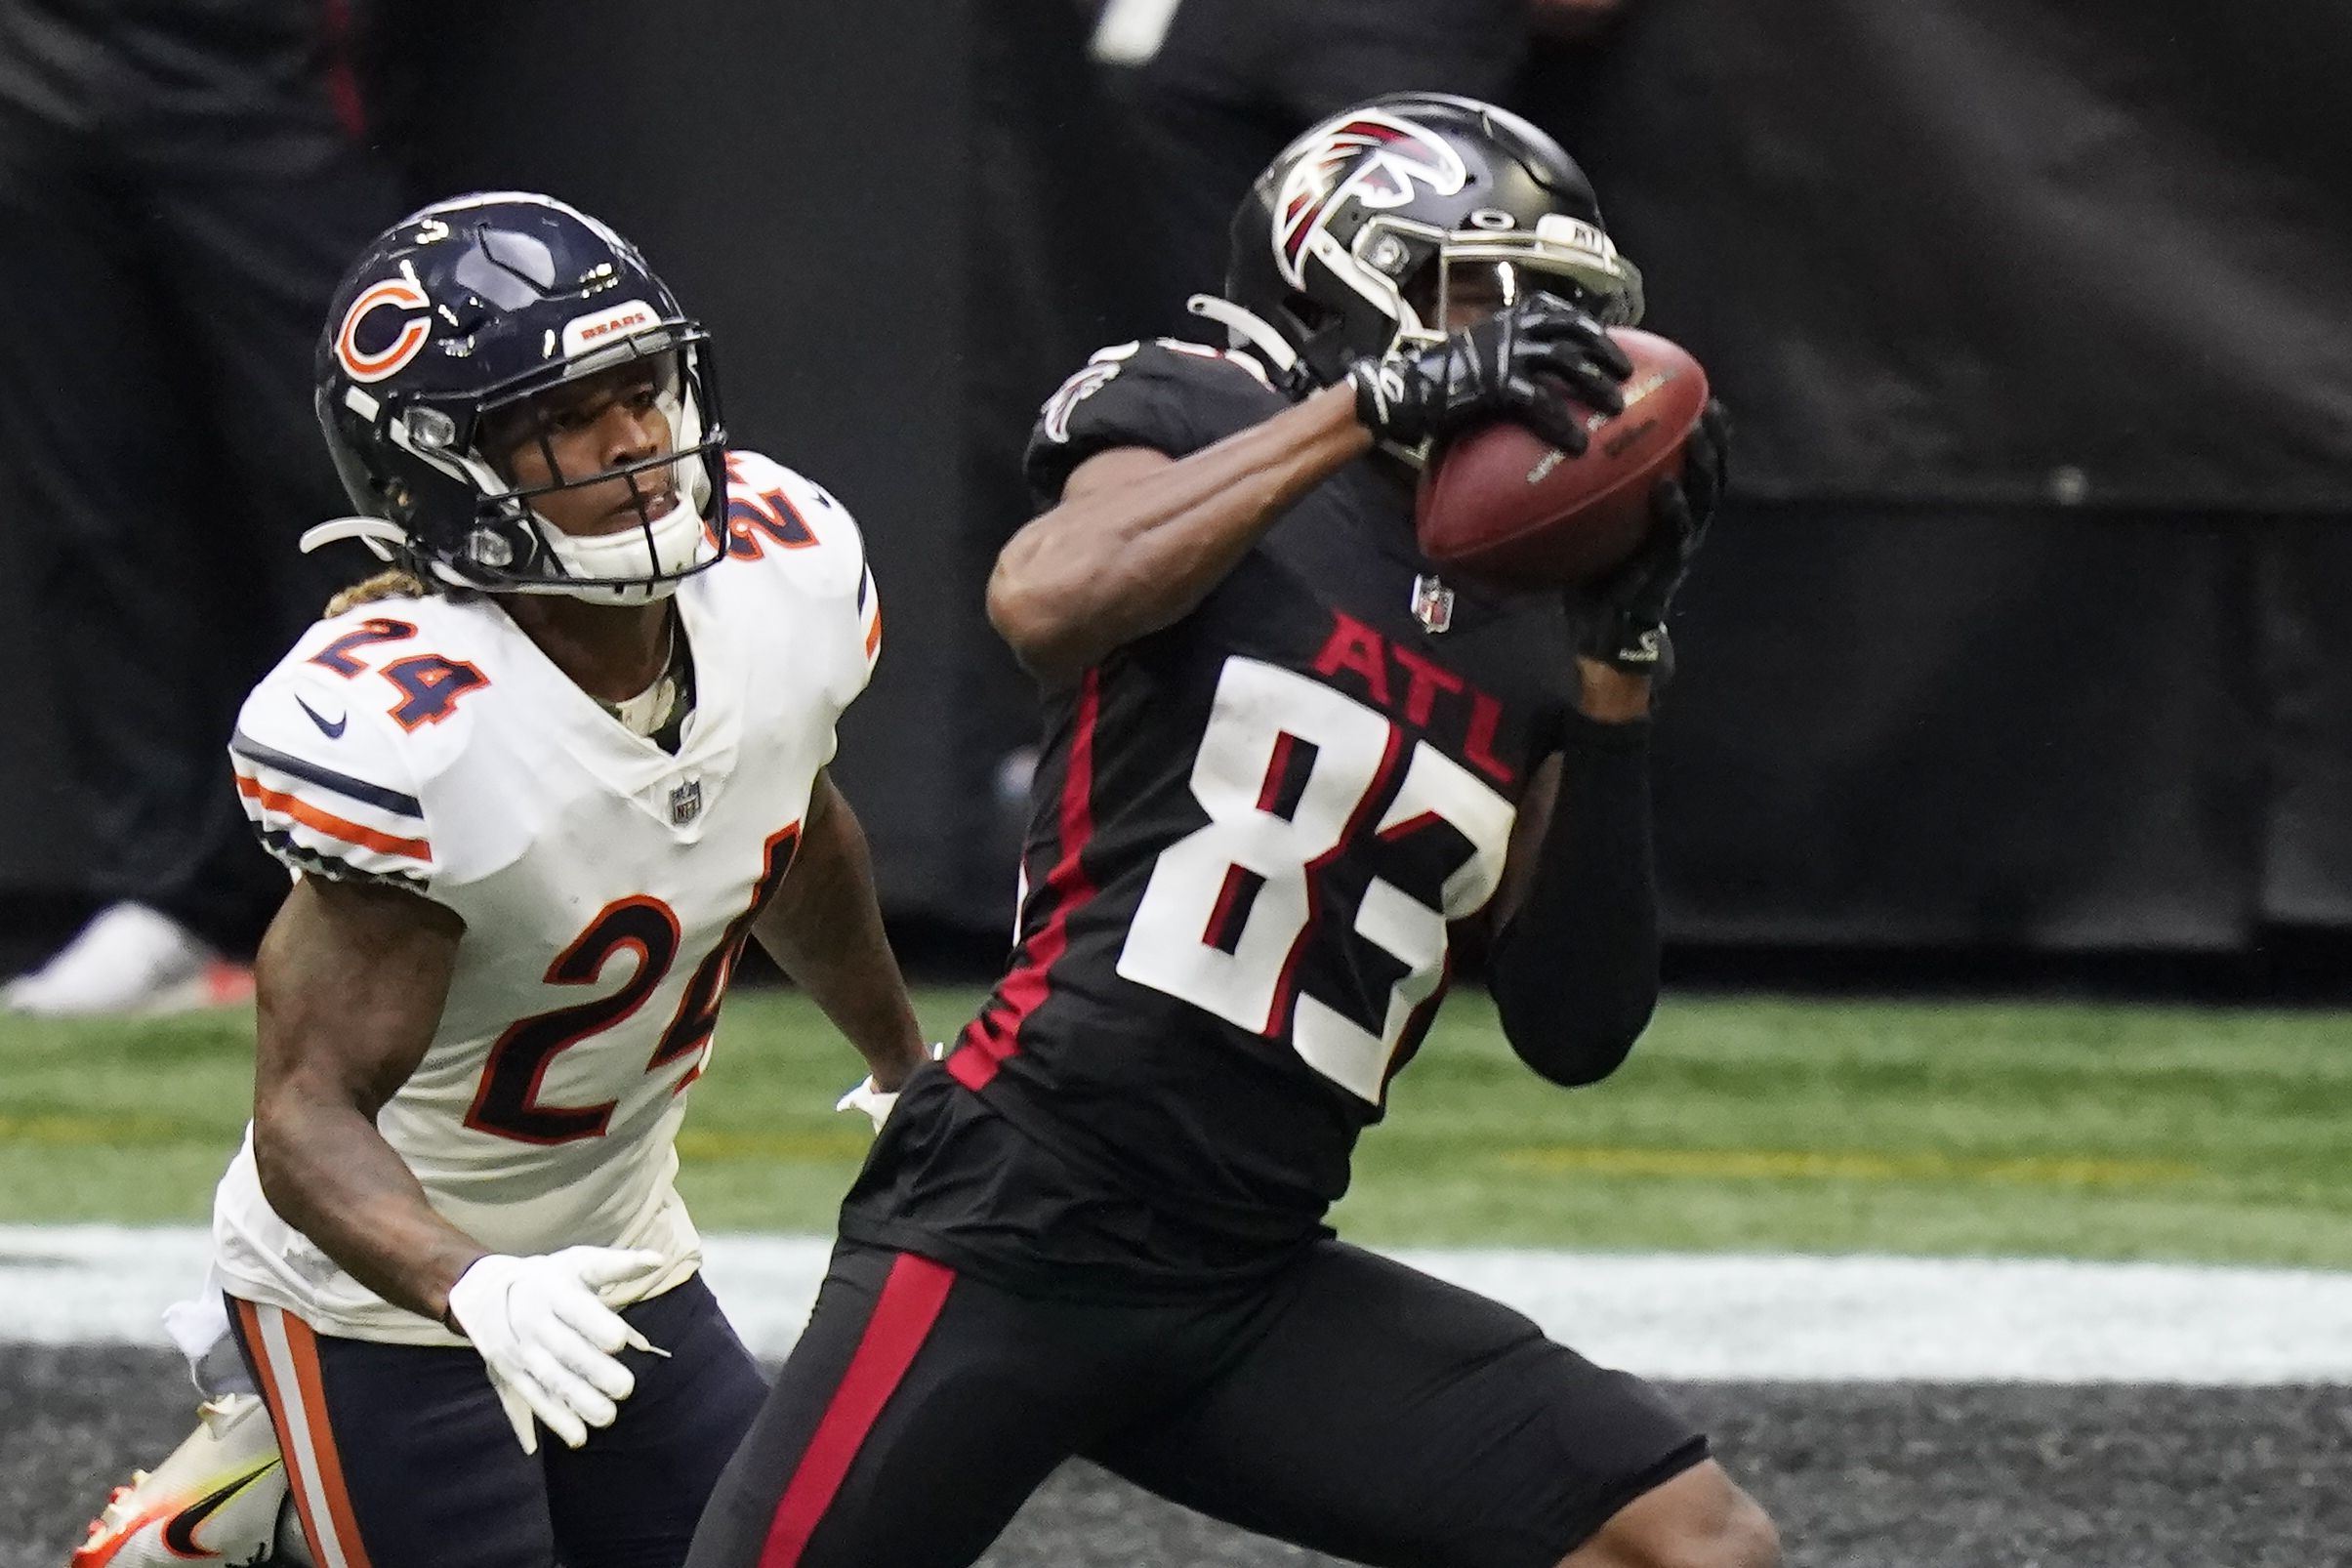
601	566
679	541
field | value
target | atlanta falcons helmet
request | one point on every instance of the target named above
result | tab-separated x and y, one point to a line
1344	247
461	313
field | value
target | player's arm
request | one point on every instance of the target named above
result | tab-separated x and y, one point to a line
1574	964
351	980
824	928
350	984
1138	538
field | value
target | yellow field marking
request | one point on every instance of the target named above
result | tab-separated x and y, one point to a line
1770	1164
74	1129
70	1130
712	1143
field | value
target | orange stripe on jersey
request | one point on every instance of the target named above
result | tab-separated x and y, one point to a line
327	822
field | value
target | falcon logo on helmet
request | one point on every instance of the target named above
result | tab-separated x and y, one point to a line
392	294
1375	160
1350	242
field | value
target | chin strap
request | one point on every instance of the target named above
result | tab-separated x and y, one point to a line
388	543
383	538
1250	329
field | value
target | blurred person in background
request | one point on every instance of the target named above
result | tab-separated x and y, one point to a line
1214	88
540	783
179	187
1288	769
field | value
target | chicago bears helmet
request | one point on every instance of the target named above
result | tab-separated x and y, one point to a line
1345	246
461	313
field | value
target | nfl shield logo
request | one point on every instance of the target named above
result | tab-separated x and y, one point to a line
685	802
1432	603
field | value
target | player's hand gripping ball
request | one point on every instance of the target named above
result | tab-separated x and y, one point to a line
1513	366
1509	501
1621	618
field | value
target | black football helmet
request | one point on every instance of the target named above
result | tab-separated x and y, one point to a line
463	313
1344	247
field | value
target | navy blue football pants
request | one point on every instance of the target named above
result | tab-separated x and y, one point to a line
400	1457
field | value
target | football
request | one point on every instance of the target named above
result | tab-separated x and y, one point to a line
1501	503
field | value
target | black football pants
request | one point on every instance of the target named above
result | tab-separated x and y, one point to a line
1350	1405
161	460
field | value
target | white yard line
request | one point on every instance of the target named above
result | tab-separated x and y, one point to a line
1848	1319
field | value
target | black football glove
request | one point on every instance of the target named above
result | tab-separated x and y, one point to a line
1525	364
1624	615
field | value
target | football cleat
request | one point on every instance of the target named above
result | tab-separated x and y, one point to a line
220	1497
128	960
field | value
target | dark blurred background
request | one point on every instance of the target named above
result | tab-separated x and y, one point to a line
2019	649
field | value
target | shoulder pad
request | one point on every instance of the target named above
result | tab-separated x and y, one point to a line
773	513
776	514
1168	394
327	779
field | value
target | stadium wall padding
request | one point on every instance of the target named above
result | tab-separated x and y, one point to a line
1950	261
1994	252
2023	630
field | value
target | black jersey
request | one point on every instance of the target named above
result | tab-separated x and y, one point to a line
1252	830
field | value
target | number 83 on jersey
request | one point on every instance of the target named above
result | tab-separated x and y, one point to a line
1291	773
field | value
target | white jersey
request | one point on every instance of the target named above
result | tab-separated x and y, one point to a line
606	885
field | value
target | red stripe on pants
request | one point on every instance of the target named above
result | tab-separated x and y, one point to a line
910	1304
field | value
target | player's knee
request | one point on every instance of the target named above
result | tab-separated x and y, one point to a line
1742	1536
1699	1519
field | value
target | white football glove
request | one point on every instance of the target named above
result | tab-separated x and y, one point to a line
869	1097
550	1343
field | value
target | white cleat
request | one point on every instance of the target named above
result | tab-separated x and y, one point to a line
220	1497
130	960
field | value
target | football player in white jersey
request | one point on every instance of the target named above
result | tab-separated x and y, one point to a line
539	783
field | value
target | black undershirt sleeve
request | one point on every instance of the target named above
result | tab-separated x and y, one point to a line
1575	972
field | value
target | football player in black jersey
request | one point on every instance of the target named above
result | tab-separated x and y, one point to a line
1287	766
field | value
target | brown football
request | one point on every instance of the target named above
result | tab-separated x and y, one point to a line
1501	503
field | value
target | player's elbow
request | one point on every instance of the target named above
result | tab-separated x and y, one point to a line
278	1150
1013	610
1038	626
1572	1042
293	1131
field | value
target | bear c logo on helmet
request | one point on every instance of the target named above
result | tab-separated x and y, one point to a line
374	364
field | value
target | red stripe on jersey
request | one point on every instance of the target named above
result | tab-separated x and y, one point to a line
1237	877
1278	772
1285	989
903	1315
996	1034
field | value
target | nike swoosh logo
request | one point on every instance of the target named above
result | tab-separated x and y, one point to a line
333	731
179	1535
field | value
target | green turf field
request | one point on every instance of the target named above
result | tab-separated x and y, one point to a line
2077	1130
